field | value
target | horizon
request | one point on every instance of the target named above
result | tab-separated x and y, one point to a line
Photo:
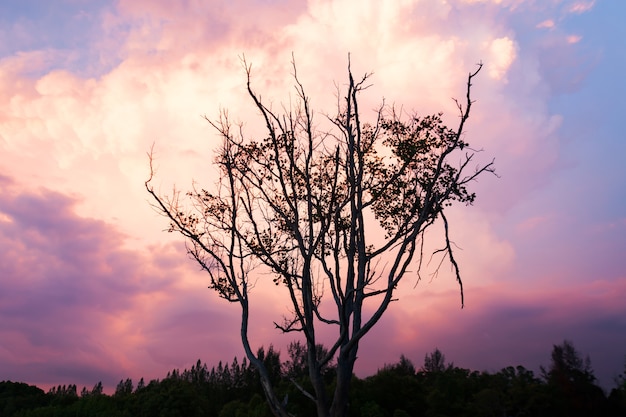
93	289
419	367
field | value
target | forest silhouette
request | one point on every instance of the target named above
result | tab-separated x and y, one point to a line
566	387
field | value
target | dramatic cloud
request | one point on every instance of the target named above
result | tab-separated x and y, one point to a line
77	306
91	286
508	324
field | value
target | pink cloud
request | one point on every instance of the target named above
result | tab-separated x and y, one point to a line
574	39
581	6
159	97
191	27
546	24
84	249
503	53
504	325
77	307
534	224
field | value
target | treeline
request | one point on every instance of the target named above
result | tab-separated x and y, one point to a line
567	387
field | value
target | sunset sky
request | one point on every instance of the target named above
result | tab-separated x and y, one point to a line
93	289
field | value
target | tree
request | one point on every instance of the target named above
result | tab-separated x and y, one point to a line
435	362
297	364
323	209
567	367
617	397
572	382
140	385
404	367
124	388
395	388
97	389
18	396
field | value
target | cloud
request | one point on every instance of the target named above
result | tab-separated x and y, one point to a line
581	6
97	287
186	66
502	56
78	307
193	27
574	39
546	24
506	325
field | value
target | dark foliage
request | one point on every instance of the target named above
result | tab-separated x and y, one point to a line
17	396
566	388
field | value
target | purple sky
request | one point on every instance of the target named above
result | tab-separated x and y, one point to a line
92	288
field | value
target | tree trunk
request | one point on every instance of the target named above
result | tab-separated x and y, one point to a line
345	366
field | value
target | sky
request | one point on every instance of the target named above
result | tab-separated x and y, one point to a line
92	287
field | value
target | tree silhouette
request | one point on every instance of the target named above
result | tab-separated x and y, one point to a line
571	381
323	209
617	398
395	390
435	362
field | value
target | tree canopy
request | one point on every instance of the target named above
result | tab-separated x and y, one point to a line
310	202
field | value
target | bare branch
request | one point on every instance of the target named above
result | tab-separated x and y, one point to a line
298	204
452	260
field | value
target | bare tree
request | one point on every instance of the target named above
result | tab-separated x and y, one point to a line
312	206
